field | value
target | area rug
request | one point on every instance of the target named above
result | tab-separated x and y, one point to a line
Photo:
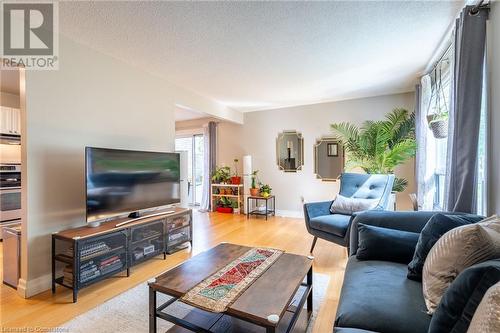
128	312
222	288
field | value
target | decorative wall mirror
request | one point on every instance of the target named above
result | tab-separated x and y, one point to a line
328	159
290	151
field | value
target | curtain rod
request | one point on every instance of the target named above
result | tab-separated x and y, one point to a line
475	10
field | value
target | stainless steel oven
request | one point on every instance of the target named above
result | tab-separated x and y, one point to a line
10	192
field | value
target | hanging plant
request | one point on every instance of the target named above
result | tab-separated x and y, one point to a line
438	119
438	124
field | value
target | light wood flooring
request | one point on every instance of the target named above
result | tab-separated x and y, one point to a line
47	310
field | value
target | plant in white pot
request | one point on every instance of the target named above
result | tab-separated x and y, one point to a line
380	146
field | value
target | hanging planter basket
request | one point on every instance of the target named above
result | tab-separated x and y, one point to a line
439	127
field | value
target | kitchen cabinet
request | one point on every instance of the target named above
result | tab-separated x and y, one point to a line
10	121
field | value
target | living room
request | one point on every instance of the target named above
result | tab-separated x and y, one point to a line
309	145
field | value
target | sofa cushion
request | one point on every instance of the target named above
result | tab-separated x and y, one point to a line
486	318
461	299
457	250
377	243
377	296
437	226
336	224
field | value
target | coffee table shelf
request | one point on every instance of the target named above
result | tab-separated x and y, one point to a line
289	278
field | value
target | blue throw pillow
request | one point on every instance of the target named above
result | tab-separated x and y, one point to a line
436	227
459	302
377	243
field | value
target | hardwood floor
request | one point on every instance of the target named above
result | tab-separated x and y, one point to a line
47	310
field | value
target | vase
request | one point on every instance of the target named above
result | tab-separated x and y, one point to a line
254	192
235	180
225	210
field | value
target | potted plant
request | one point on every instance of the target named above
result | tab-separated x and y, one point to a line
235	179
254	190
222	175
438	124
265	190
235	206
380	146
224	205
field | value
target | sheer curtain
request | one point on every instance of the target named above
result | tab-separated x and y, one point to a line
209	161
426	164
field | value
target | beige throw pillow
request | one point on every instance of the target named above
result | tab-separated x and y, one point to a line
456	250
486	319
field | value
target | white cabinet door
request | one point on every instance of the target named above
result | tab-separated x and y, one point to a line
10	120
16	121
5	120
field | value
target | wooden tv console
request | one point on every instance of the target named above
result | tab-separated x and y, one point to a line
90	254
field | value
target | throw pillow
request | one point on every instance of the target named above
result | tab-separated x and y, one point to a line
461	299
487	316
377	243
436	227
458	249
348	206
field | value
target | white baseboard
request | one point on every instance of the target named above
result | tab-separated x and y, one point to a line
290	213
30	288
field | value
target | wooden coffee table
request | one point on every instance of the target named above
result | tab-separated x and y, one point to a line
271	293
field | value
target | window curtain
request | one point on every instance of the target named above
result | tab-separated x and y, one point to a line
465	113
425	163
210	162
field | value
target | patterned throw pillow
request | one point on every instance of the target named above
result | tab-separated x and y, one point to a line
486	319
458	249
348	206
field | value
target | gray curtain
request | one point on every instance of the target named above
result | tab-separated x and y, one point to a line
470	42
212	152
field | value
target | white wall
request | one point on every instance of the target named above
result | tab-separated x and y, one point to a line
92	100
258	134
494	76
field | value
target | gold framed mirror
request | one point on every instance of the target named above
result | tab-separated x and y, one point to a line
290	151
329	159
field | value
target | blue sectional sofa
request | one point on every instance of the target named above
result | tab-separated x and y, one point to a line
376	295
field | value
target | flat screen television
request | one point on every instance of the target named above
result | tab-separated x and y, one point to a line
126	182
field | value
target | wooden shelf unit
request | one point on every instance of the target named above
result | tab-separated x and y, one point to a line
237	192
117	248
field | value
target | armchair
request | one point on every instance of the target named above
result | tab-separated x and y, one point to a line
320	222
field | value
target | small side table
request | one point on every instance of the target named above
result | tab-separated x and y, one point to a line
266	212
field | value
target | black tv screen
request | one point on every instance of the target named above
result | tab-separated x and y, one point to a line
122	182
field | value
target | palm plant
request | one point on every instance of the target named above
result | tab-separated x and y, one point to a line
379	146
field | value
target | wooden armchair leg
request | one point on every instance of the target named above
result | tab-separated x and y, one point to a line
313	244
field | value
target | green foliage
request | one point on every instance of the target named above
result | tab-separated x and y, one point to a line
225	202
265	188
254	178
379	146
222	175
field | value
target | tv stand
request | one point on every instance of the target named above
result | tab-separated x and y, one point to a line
83	256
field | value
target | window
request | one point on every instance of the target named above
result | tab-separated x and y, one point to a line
481	189
194	145
437	147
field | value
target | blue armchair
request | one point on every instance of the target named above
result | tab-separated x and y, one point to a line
320	222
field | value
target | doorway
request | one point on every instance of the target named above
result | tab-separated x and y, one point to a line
194	145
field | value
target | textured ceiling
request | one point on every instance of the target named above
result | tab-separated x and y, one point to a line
258	55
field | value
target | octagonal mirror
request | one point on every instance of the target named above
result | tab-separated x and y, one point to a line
290	151
328	159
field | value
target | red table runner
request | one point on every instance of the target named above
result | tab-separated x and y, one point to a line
222	288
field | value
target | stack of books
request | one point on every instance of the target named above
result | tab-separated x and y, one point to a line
68	275
89	271
110	264
93	249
